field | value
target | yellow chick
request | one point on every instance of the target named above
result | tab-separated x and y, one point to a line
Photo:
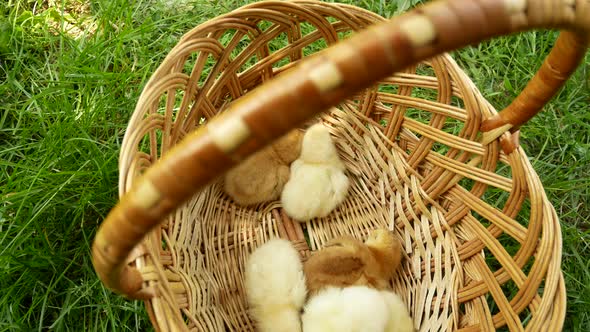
399	316
317	184
275	287
356	309
346	261
262	176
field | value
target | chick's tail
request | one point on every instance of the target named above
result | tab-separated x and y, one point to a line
275	287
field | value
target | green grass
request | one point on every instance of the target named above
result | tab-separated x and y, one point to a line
64	104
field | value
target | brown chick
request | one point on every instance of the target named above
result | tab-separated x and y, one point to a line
346	261
387	251
262	176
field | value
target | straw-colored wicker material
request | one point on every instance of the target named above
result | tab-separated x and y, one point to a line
483	242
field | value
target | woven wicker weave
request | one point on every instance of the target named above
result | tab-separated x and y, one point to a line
482	240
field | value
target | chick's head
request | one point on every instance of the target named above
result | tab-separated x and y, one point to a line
381	238
386	249
317	146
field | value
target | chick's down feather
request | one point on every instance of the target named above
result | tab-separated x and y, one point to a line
340	263
317	147
317	184
350	309
262	176
346	261
399	317
275	287
356	309
386	252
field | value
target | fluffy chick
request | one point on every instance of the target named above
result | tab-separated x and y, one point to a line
399	317
356	309
387	252
275	287
262	176
317	183
346	261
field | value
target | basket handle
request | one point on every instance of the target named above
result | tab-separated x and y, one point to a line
323	80
568	52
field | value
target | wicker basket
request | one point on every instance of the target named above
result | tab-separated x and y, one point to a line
427	156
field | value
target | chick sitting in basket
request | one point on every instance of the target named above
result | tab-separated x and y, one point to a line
262	176
317	184
346	286
313	186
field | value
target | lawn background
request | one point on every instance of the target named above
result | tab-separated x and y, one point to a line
70	74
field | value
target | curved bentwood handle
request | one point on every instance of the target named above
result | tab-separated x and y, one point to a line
323	80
